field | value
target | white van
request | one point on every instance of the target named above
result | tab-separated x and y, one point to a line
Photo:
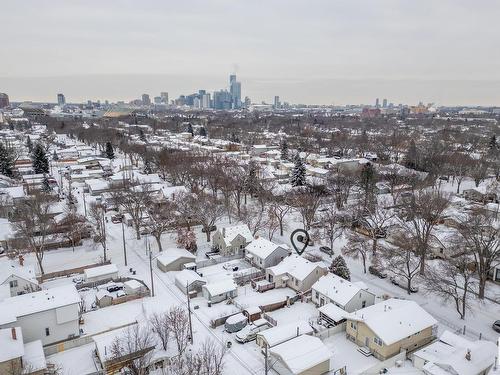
249	333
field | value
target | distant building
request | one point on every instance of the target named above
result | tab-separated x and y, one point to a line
277	103
4	100
384	103
235	90
164	97
157	100
248	102
145	99
61	100
377	103
222	99
370	112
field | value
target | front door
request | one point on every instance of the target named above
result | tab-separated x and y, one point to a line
367	342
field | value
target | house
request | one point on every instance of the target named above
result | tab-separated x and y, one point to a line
342	293
263	253
331	314
19	358
134	287
296	273
279	334
50	315
388	327
455	355
231	240
19	279
302	355
174	259
219	291
97	186
101	273
191	280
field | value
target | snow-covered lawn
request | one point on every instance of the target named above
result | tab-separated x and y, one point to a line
298	311
75	361
345	353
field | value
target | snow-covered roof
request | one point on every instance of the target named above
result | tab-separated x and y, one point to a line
302	353
43	300
14	192
107	269
296	266
394	319
448	356
133	284
34	356
187	277
97	184
11	348
172	254
7	269
220	287
261	247
229	233
336	288
332	311
281	333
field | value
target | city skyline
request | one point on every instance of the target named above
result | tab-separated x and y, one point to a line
314	53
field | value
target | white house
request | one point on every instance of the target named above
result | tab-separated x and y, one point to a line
189	279
263	253
220	290
50	315
101	273
342	293
19	279
302	355
296	273
455	355
231	240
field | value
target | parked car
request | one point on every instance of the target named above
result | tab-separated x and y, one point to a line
78	280
230	266
114	288
213	228
120	293
117	218
403	284
496	325
211	253
249	333
302	239
379	273
326	250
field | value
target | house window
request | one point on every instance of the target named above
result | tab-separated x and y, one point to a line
13	284
317	295
353	326
363	304
296	282
47	331
377	341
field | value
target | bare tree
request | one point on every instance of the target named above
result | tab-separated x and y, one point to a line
401	259
208	360
357	247
331	226
134	200
422	214
74	227
97	219
379	219
254	218
280	207
178	321
161	328
340	186
453	280
161	217
479	171
306	201
35	224
135	347
480	235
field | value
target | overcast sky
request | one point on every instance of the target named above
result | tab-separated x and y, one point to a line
308	51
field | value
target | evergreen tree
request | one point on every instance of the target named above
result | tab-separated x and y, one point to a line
411	156
6	161
367	183
203	132
190	129
45	185
298	172
142	136
39	159
54	156
110	152
251	181
493	142
234	138
284	149
29	144
339	268
147	166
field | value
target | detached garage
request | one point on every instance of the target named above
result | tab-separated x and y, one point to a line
107	272
303	355
174	259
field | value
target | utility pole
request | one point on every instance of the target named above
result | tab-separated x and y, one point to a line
124	244
265	361
189	313
104	232
151	272
84	204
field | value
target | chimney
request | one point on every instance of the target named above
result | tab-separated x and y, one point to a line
468	355
13	333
